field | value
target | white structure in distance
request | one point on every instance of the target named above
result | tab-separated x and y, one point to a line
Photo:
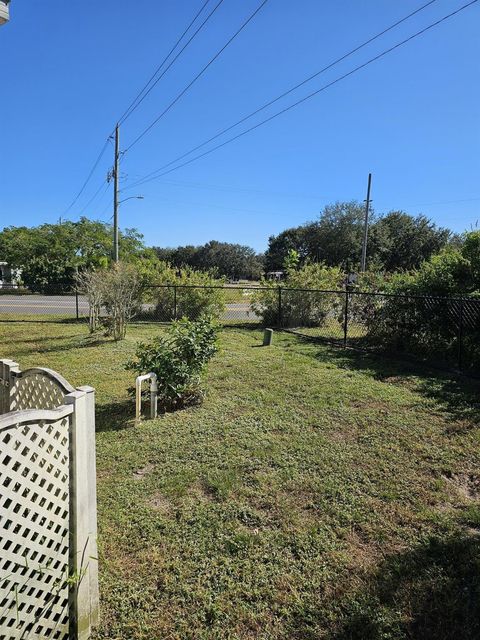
4	11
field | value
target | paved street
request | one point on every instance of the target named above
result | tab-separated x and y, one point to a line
66	306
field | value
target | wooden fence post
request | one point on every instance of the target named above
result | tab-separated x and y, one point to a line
80	627
7	369
92	506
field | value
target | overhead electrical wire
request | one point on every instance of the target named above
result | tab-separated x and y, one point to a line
89	176
146	90
153	81
103	186
297	86
192	82
153	176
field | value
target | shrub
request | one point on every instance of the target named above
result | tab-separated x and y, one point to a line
121	295
178	358
197	293
118	290
301	308
364	305
422	318
89	283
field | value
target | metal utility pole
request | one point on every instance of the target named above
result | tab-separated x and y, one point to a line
365	226
115	194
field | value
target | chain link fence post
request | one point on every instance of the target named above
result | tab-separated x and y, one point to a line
345	319
76	305
280	306
174	301
460	337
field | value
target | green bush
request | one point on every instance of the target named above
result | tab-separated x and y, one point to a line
178	358
422	318
300	308
196	293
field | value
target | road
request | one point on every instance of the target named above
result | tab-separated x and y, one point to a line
39	305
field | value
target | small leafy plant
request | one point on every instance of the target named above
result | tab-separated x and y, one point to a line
179	359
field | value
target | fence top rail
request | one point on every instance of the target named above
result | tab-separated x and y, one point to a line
52	375
16	418
225	287
343	292
275	286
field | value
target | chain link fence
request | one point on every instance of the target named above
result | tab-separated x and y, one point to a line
437	330
54	303
441	331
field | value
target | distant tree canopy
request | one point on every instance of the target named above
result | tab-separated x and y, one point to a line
452	271
233	261
51	253
396	241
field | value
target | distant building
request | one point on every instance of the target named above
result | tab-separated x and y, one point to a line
275	275
8	278
4	12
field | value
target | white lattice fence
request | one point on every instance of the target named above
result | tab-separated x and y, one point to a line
48	555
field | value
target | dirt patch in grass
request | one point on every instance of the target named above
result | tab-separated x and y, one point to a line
372	405
304	507
199	492
465	485
161	504
139	474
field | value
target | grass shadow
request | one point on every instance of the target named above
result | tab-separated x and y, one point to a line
248	326
115	416
57	345
456	395
429	593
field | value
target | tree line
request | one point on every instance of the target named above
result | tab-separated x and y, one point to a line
51	254
396	241
233	261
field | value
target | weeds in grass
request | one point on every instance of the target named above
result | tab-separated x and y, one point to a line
314	494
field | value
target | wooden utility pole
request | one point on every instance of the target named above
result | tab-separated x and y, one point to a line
115	194
365	226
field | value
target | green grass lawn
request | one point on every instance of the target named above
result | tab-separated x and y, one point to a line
316	493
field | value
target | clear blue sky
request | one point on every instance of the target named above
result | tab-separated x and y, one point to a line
70	68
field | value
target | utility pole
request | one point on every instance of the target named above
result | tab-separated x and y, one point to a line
115	194
365	226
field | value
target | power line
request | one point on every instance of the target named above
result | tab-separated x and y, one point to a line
104	186
431	204
297	86
146	89
230	188
152	176
190	84
92	171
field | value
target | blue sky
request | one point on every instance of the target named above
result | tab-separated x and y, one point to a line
71	68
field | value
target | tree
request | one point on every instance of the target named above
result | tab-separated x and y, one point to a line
229	260
294	239
291	261
49	255
396	241
400	241
335	239
471	251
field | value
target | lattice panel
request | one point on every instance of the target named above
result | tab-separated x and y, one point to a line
34	531
35	391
